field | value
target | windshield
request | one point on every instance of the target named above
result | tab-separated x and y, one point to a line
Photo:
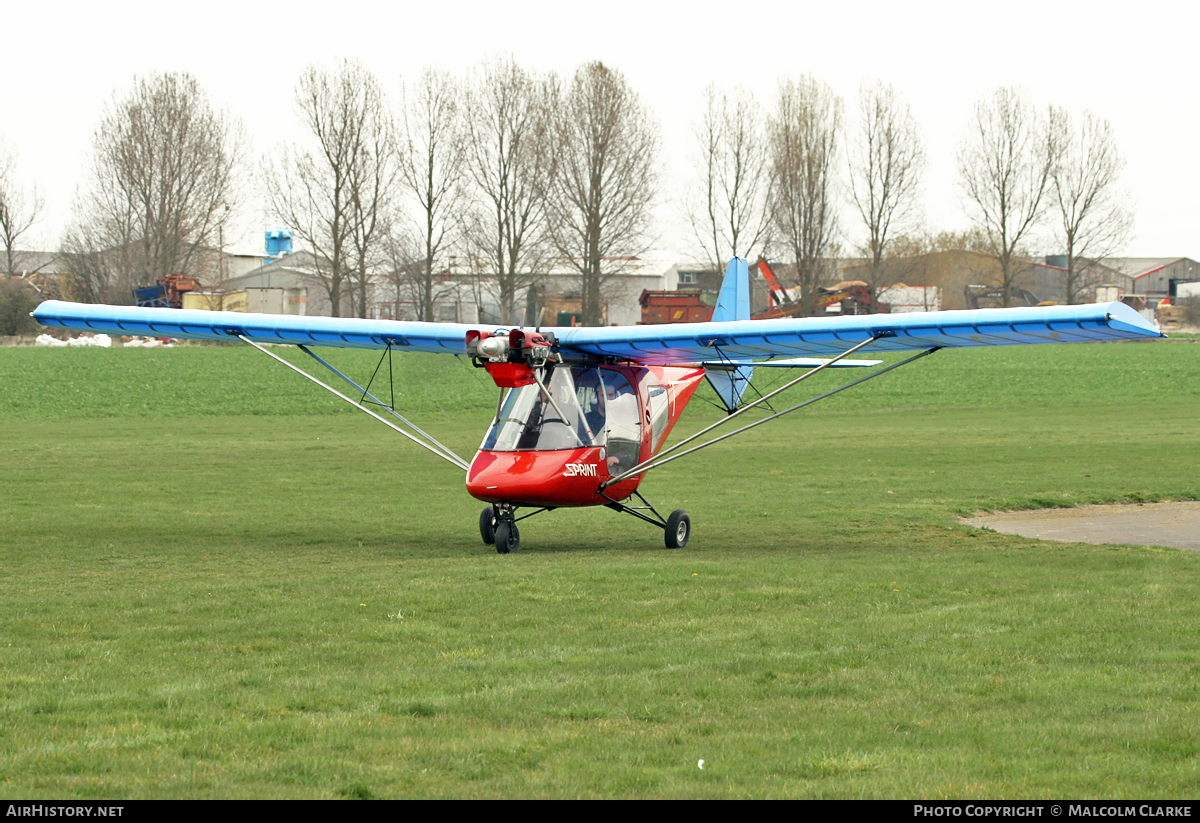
528	421
591	407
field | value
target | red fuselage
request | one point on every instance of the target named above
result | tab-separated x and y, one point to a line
556	447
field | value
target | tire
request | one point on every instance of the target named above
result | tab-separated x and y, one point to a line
678	530
508	538
487	525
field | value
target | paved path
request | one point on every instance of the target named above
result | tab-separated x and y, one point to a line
1176	525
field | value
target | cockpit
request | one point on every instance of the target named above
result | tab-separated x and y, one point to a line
580	407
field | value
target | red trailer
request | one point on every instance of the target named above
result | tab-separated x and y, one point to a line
684	306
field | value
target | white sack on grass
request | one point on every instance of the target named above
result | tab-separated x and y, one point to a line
101	340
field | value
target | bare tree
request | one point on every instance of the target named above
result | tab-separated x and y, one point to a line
1095	222
373	179
335	194
17	299
803	143
731	217
19	212
92	270
165	177
509	161
600	200
886	161
972	240
432	169
403	263
406	278
1004	166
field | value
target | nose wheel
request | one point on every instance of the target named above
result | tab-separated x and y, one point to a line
498	527
508	538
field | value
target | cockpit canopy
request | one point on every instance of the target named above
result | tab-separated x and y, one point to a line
581	406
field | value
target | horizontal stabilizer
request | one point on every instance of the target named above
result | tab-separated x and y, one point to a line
791	363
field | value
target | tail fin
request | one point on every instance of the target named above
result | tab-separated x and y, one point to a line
733	303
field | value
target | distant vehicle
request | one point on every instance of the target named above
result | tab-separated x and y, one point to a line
853	295
583	413
987	297
690	306
679	306
168	294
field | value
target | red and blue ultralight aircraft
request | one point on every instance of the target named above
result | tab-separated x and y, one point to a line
584	412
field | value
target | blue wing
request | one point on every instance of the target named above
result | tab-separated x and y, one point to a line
192	324
743	340
736	340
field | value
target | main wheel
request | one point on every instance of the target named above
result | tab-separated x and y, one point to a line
508	538
487	525
679	527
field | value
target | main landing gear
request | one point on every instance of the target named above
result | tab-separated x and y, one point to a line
498	524
678	529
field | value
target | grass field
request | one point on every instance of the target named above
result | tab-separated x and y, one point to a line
216	583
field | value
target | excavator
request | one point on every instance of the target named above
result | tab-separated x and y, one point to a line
992	297
688	306
854	295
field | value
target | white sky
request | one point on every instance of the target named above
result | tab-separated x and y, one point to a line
1131	64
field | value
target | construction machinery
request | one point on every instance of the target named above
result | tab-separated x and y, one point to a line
853	295
696	305
992	297
168	294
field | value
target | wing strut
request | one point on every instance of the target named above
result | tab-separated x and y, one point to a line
425	441
661	457
365	394
638	469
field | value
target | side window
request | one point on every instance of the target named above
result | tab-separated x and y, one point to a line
660	409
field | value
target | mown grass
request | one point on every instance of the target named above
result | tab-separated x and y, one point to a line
207	381
279	600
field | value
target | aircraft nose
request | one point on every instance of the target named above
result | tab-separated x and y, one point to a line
569	477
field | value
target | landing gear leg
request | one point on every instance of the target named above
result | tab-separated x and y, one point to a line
676	529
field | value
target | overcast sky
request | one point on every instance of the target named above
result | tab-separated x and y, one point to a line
1132	64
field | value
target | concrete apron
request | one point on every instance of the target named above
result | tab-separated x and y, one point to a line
1175	525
